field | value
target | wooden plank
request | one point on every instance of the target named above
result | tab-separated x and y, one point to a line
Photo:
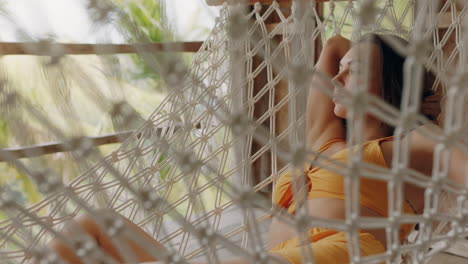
445	20
261	168
57	49
252	2
458	4
71	145
50	148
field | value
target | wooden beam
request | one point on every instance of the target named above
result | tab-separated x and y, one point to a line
57	49
252	2
50	148
445	20
71	145
249	2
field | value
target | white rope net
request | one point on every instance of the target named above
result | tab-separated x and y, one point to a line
185	176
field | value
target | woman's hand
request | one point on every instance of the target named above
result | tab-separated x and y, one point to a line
339	45
333	51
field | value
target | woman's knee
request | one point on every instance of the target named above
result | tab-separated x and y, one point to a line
88	222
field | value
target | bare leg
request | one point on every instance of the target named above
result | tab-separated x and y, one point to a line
274	259
87	224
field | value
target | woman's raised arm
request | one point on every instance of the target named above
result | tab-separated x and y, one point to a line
322	124
423	153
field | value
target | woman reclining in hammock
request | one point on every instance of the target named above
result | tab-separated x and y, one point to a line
326	134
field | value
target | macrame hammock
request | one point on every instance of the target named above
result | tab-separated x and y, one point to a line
186	175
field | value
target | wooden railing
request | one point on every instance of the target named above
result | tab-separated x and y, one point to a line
263	2
51	48
56	49
55	147
72	144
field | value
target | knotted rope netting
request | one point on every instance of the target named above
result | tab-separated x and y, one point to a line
185	175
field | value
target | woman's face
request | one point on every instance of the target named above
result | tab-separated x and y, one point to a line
348	77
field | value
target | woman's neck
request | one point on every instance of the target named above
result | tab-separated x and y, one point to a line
373	129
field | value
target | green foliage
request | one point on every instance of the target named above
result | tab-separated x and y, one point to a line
387	23
4	133
148	17
23	189
164	168
62	91
44	81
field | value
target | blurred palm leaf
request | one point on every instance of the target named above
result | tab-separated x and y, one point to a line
149	17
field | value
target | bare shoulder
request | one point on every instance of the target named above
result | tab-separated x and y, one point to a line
336	147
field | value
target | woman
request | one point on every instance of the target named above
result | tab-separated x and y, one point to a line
326	134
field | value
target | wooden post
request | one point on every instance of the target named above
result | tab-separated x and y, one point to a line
281	91
261	167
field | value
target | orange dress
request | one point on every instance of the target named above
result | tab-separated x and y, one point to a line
329	246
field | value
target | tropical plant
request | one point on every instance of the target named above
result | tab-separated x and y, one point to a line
149	18
387	24
75	93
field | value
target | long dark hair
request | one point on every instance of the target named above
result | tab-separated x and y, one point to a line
392	70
